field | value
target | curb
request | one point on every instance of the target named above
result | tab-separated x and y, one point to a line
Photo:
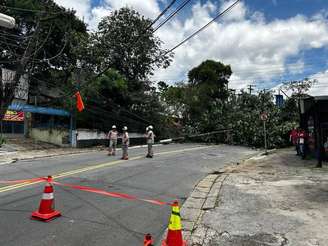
7	162
205	196
68	153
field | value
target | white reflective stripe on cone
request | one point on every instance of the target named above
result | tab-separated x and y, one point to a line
48	196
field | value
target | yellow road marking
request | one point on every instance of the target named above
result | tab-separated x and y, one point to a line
85	169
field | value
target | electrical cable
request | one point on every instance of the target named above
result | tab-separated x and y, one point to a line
161	14
30	10
205	26
172	15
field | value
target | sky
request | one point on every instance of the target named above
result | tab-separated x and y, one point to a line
266	42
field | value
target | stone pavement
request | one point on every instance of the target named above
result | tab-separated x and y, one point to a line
272	200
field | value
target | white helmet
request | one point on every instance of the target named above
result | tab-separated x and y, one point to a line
125	128
113	127
150	127
147	128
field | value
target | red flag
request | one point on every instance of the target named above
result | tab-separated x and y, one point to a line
79	102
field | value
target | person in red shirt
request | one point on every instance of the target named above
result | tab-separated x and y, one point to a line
302	136
293	138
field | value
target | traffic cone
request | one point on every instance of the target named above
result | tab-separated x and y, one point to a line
174	233
46	210
148	241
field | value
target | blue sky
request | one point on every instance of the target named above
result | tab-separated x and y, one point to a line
265	41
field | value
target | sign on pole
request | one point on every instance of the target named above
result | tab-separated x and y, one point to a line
264	116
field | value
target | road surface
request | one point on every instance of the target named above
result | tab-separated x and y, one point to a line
92	219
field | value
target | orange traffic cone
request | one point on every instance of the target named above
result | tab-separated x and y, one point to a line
46	210
174	233
148	241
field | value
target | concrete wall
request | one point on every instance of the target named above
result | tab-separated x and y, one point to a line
55	136
87	138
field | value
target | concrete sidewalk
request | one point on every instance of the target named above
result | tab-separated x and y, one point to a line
272	200
12	156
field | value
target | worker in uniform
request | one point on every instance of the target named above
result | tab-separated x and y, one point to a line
125	143
150	136
112	136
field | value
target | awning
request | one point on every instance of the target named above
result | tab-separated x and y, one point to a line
38	110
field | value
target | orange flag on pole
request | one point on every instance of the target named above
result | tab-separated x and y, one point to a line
79	102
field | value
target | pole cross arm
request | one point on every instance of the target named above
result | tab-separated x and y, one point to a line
7	21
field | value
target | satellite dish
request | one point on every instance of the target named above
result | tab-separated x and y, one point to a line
7	21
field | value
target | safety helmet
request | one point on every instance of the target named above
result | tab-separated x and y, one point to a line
150	127
113	127
125	128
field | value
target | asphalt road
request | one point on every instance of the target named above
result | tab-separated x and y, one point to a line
92	219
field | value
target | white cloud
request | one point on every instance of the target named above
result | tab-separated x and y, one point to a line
149	8
296	68
237	13
256	48
82	7
321	87
97	14
92	16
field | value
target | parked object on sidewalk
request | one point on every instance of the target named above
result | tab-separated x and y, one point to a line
125	143
174	233
112	136
46	211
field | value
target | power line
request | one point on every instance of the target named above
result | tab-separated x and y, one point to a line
31	10
204	27
172	15
162	13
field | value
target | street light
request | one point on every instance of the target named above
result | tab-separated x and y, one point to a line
7	21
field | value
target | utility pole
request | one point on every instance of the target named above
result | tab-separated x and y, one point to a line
264	118
250	88
7	22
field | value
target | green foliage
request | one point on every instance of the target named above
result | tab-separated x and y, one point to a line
128	51
127	44
202	111
244	119
53	33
